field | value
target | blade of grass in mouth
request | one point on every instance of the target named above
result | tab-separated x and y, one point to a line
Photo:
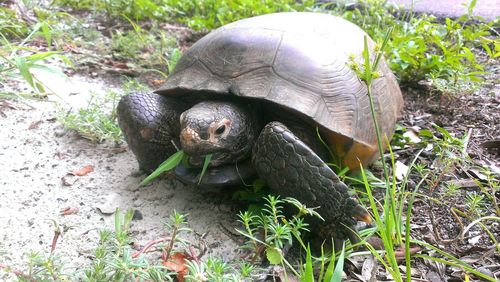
167	165
205	166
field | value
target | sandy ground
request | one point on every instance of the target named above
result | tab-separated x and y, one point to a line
37	152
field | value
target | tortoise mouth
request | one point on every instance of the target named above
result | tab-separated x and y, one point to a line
217	159
197	149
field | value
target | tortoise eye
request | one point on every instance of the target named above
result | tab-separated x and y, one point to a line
220	129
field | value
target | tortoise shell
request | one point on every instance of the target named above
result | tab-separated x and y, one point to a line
300	62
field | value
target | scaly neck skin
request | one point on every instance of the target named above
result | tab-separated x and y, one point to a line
226	130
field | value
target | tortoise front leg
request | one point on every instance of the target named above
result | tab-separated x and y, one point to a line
292	169
150	124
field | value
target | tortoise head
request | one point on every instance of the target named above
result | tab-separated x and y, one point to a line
226	130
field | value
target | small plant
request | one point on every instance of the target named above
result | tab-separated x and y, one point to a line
475	204
10	25
270	233
18	60
114	259
94	122
450	152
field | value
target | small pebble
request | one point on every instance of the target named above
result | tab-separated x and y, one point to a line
137	215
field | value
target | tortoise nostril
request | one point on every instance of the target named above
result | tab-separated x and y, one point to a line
186	137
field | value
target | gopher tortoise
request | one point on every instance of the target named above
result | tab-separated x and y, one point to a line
254	94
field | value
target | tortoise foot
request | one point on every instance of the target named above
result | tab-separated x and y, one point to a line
292	169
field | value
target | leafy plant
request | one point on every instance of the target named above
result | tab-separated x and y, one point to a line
96	121
147	48
424	49
270	233
450	152
10	25
114	261
18	60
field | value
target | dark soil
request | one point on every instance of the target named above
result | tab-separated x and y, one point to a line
441	216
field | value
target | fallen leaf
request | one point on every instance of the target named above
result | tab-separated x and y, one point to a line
68	46
369	269
68	211
491	144
6	104
55	238
475	173
401	170
177	263
463	183
400	252
84	170
120	65
34	124
412	135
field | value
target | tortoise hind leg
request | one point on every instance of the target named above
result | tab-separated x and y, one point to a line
292	169
150	123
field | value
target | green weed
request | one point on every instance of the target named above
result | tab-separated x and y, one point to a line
214	13
19	60
10	25
146	48
423	49
95	122
269	233
114	260
194	13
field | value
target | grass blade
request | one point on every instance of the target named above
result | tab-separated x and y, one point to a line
307	275
331	266
205	166
169	164
23	68
337	274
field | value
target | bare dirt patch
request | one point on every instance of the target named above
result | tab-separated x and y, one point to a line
38	192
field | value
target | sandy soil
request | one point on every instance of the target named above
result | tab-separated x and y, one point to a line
37	153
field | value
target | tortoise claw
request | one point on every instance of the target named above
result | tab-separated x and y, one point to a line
360	214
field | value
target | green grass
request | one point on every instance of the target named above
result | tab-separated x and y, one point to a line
10	26
420	48
197	14
133	9
151	49
209	14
